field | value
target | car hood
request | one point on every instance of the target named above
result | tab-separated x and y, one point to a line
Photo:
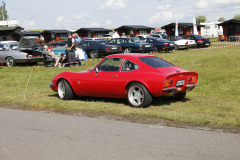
27	41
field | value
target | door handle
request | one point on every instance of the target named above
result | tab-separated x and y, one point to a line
115	76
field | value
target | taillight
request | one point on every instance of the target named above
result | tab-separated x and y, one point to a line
200	40
107	49
166	44
166	83
194	80
141	46
189	80
186	43
152	46
27	55
171	83
120	48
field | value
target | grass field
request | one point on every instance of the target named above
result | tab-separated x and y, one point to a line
215	102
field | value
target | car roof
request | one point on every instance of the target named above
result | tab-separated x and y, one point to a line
130	56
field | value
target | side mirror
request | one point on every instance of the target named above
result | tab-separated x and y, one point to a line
96	71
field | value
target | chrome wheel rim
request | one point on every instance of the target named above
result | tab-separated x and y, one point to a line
93	54
136	95
61	90
127	50
10	62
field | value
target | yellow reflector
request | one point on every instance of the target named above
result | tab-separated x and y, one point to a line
166	83
194	79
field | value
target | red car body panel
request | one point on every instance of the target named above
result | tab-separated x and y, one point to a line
114	84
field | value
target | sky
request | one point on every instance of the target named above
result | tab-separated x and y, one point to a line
76	14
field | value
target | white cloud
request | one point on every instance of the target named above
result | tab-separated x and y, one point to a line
113	5
108	22
60	19
202	4
94	24
28	23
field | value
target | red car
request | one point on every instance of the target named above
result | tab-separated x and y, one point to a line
137	77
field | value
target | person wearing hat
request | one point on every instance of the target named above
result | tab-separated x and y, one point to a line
51	53
77	39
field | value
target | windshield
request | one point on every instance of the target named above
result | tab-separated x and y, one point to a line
134	40
102	42
178	38
155	62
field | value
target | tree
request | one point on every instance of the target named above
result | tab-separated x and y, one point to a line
221	19
3	13
236	16
201	19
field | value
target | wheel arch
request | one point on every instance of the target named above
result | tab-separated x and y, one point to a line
131	82
67	82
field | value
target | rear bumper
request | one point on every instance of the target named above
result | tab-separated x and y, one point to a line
174	90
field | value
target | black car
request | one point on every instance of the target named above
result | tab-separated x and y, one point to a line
160	44
132	44
201	41
98	48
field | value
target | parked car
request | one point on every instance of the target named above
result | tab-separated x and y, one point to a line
132	45
181	43
163	36
98	48
137	77
201	41
160	44
14	53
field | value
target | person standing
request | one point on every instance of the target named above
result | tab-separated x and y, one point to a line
70	42
115	35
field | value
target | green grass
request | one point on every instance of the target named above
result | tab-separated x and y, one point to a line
215	102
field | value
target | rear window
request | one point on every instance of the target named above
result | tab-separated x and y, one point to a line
155	62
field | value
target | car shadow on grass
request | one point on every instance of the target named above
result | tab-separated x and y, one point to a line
159	101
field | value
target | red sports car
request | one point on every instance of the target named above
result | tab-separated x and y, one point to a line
137	77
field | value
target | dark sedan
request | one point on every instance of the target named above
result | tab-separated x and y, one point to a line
98	48
160	44
132	44
201	41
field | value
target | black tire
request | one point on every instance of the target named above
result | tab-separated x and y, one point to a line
180	96
11	62
138	96
65	91
93	54
176	47
127	50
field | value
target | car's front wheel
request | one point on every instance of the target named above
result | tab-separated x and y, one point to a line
93	54
138	96
11	62
64	90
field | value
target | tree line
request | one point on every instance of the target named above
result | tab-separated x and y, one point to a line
202	19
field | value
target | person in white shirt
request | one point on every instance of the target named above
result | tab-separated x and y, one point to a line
115	35
79	53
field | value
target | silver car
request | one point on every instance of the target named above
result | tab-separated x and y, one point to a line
13	53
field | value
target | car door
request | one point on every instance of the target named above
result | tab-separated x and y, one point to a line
104	81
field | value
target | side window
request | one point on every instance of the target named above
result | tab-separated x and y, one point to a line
129	66
2	48
110	65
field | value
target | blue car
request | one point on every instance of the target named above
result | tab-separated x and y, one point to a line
132	45
99	48
160	44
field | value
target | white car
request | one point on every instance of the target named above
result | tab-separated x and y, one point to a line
13	53
181	43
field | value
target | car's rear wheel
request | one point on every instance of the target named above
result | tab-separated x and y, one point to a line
180	96
176	47
93	54
138	96
155	49
64	90
11	62
127	50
